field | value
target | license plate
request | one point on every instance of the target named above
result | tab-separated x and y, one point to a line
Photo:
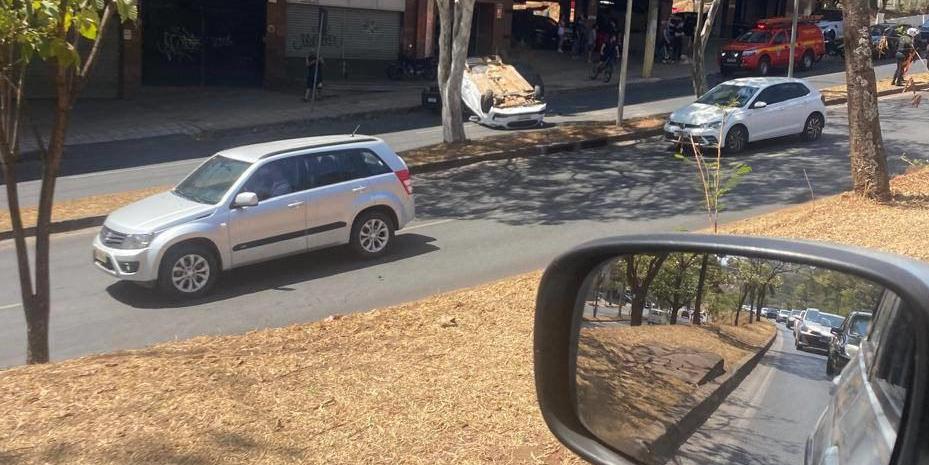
731	60
523	117
99	256
431	100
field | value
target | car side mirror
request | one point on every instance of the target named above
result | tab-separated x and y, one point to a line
618	387
245	199
759	105
836	331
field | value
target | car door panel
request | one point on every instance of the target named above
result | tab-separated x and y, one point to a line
277	225
764	121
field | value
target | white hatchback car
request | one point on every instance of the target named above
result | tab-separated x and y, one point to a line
748	110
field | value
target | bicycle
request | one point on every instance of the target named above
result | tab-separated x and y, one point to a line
605	67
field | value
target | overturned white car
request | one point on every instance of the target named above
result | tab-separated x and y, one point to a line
499	96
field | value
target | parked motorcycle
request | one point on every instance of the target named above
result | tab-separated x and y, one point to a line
836	47
413	68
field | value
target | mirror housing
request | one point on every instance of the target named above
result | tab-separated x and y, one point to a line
759	105
835	331
556	325
245	199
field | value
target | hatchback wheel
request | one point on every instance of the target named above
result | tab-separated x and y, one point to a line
813	128
736	139
187	271
372	233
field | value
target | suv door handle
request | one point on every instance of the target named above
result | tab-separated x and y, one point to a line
295	204
359	188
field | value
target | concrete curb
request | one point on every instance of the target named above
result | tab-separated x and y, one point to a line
667	444
883	93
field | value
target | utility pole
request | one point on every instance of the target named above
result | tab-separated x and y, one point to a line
625	65
793	39
323	19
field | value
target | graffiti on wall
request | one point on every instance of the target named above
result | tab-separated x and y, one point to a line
181	45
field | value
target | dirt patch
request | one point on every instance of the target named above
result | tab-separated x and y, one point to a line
512	141
839	94
634	382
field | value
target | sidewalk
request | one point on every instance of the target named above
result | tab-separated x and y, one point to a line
162	111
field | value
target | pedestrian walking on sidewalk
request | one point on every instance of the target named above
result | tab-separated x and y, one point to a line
314	75
561	31
591	39
906	52
677	37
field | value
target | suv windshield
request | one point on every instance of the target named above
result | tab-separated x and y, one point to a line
859	326
211	180
728	95
755	37
811	315
832	321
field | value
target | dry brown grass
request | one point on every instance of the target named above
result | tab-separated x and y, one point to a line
398	385
840	92
563	133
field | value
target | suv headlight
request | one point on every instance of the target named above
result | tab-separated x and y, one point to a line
713	125
748	53
137	241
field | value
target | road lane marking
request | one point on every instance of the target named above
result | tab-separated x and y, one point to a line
426	225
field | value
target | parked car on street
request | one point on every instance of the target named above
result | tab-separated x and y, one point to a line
782	316
846	340
257	202
815	330
831	24
499	96
536	31
792	319
767	47
747	110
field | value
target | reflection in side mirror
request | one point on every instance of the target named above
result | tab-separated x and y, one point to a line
672	359
245	199
759	105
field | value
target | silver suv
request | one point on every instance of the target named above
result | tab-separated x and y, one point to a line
257	202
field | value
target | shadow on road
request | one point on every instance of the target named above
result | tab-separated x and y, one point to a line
806	366
277	274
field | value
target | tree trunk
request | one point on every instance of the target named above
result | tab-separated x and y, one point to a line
651	37
454	34
701	281
866	146
702	32
638	305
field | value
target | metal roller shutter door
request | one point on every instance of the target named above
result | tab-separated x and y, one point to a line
350	33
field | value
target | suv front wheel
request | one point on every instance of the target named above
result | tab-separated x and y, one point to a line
188	271
372	233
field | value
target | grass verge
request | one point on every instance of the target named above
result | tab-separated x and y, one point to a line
446	379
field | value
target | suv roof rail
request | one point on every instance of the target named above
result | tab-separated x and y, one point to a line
352	140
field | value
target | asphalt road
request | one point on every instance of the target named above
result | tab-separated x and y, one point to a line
475	224
103	168
768	418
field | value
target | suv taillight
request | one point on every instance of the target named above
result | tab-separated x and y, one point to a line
406	180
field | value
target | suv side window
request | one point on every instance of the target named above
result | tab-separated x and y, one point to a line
275	178
324	169
366	163
797	90
780	38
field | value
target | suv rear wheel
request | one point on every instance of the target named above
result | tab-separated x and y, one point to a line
372	233
187	271
806	63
